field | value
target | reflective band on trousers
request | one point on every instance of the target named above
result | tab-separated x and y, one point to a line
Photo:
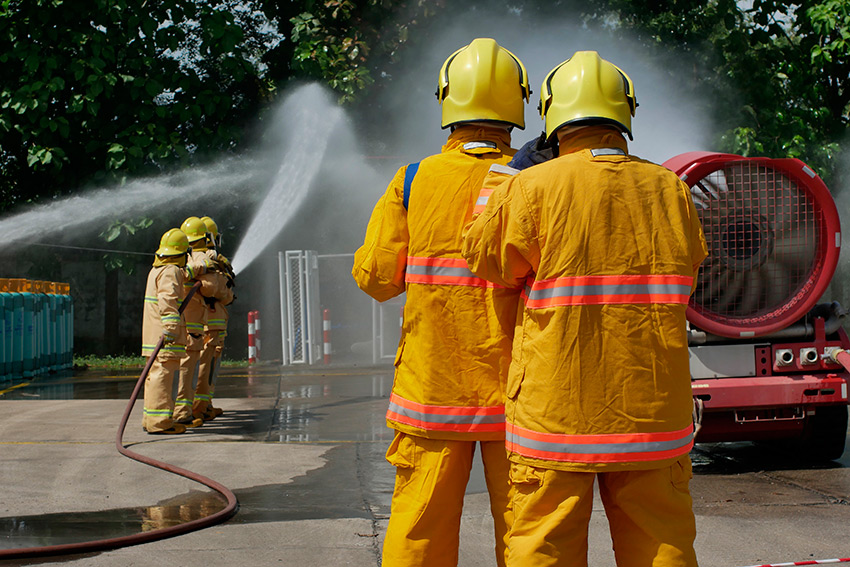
446	418
608	448
605	290
442	271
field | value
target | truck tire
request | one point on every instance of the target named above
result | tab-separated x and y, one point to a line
827	434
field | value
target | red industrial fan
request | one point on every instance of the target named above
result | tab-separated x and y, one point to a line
773	236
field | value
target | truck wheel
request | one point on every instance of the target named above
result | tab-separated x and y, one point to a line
827	434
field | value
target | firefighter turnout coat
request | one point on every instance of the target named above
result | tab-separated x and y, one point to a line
161	316
607	247
454	352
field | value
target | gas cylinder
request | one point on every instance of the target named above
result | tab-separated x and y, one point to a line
28	336
17	299
4	331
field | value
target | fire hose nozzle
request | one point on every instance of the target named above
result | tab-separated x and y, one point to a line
830	354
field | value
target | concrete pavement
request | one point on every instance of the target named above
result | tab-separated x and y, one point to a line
303	452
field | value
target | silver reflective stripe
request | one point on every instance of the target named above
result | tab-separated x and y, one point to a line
476	145
445	418
608	289
597	448
444	271
482	201
607	152
499	168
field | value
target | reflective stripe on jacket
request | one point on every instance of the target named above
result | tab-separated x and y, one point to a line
604	448
442	271
608	290
452	362
607	246
458	419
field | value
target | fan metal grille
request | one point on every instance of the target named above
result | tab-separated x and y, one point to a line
763	242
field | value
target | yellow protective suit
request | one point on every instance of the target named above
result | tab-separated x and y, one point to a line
215	330
161	317
199	268
455	346
607	246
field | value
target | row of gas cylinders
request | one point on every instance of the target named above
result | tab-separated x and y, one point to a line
37	331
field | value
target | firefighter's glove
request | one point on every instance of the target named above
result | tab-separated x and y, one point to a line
533	152
168	339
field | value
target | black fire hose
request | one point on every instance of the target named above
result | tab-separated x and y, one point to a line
153	535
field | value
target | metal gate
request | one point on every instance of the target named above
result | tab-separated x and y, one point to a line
300	310
387	319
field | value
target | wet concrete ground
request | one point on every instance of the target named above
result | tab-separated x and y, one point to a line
305	448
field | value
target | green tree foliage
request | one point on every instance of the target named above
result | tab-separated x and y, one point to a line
91	90
120	233
777	71
344	43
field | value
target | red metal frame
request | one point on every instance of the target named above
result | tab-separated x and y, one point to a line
694	166
773	405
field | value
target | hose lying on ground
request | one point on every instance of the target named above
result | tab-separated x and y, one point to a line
153	535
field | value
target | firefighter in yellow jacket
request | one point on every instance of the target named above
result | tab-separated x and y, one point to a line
607	246
200	268
451	365
219	296
162	320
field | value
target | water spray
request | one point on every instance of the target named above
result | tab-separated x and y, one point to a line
309	116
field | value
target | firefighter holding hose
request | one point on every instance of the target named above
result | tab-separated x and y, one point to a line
448	391
607	246
162	319
215	329
203	268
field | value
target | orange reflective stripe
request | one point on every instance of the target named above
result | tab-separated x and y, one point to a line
481	202
471	419
442	271
606	448
605	290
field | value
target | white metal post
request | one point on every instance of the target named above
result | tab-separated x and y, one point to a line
284	317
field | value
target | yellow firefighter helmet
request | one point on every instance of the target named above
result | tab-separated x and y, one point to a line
173	243
195	229
586	89
212	230
483	82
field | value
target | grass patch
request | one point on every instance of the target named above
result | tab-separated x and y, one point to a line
122	362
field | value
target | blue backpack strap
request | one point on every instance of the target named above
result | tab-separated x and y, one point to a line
409	174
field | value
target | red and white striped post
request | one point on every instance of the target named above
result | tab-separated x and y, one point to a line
253	341
257	335
326	335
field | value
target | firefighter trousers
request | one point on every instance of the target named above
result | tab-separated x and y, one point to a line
430	482
213	344
158	411
650	514
185	384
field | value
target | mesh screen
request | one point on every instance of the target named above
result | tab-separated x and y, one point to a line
296	305
762	240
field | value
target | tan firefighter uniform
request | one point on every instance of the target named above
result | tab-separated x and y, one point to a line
215	330
607	247
163	294
199	268
449	385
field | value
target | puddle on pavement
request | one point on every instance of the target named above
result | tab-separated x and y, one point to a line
104	384
744	457
332	408
75	527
